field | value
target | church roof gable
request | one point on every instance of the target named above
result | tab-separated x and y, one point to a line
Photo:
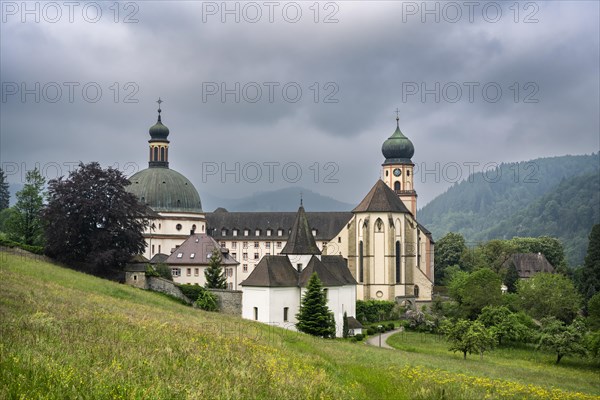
381	199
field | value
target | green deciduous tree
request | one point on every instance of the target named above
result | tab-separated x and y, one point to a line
504	324
469	337
563	339
92	219
473	291
448	252
25	224
4	193
215	278
314	316
549	295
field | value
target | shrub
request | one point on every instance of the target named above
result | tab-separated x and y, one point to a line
391	326
192	292
359	337
164	271
375	310
207	301
32	249
371	331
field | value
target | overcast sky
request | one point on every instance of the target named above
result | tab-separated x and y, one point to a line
305	92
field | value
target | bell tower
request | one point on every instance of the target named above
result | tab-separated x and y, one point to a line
397	171
159	144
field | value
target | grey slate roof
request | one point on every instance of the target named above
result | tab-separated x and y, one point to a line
159	258
326	224
381	199
528	264
273	271
199	245
301	240
277	271
353	323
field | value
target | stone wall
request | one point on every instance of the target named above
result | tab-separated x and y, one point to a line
230	302
137	279
165	286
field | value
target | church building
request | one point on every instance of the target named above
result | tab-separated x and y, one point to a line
387	252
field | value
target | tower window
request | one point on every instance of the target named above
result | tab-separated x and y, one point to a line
285	314
396	185
162	154
407	173
178	227
155	154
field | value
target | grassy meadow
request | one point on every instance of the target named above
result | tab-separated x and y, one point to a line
67	335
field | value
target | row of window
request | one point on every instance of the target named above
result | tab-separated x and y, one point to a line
188	271
245	256
256	245
258	232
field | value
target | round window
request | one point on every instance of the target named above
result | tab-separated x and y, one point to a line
379	294
178	227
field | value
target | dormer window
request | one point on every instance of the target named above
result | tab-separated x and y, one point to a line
224	232
257	232
269	232
314	232
193	255
235	232
246	232
179	255
280	232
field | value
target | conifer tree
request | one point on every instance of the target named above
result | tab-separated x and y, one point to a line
215	279
4	193
314	316
345	329
25	224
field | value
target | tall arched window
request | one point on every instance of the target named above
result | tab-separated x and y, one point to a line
155	154
361	275
162	154
396	185
398	276
416	291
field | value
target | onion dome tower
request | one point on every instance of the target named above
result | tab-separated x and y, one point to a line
167	192
398	167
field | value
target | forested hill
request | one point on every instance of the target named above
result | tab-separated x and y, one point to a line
556	196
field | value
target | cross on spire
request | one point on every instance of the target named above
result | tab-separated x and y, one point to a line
301	199
397	115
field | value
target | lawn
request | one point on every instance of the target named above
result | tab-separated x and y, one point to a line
67	335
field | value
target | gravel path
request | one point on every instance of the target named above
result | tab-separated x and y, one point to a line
374	340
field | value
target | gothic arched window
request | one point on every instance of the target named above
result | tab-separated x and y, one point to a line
360	262
398	262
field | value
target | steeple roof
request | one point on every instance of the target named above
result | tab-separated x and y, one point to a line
158	131
398	149
381	199
301	240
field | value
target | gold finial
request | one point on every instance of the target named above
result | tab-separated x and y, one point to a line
397	116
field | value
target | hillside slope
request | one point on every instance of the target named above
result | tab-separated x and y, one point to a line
494	205
67	335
